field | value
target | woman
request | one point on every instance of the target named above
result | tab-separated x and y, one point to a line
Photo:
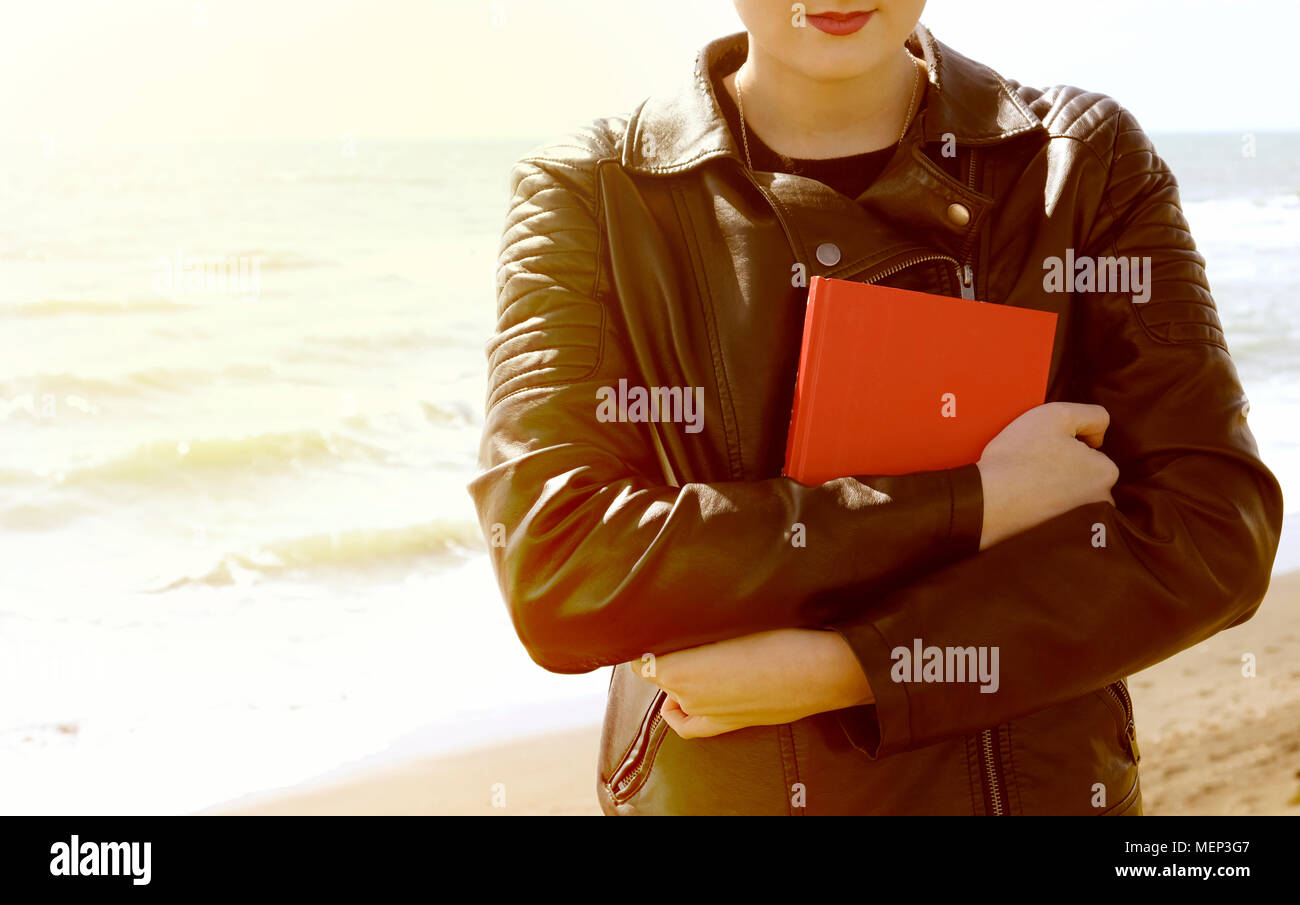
758	621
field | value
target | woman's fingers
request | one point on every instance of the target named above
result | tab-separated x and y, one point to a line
676	718
687	726
1087	422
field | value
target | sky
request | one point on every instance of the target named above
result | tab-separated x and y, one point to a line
249	69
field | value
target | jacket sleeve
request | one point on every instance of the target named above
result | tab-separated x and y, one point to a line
600	559
1102	591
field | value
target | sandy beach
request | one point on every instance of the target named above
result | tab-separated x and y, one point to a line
1213	741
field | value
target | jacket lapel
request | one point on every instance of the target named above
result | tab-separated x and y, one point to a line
905	212
676	132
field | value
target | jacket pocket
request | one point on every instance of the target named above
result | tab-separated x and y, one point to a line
631	772
1117	699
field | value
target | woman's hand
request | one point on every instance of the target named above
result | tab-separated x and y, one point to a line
764	679
1043	464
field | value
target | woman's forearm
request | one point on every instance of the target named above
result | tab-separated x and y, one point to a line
764	679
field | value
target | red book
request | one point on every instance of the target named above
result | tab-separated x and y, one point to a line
892	381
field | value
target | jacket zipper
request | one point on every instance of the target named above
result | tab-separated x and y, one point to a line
966	279
1119	692
990	759
965	271
625	778
919	259
991	769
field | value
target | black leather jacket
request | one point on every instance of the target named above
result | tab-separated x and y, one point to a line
641	248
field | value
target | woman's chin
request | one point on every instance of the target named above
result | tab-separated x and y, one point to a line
839	65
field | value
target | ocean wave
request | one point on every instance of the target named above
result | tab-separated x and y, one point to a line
44	404
16	477
280	260
454	413
1287	201
1259	222
352	550
362	179
16	391
58	307
182	379
47	515
157	461
412	338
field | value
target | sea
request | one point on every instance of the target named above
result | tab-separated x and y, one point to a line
236	549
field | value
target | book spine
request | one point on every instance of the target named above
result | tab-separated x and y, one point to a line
796	442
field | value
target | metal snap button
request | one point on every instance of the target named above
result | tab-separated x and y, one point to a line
959	214
828	253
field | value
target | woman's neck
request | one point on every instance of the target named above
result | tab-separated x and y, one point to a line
809	118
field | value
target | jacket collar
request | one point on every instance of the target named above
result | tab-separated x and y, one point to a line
673	133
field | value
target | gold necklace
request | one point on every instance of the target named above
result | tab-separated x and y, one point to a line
907	118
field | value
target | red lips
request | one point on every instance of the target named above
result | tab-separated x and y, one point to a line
838	23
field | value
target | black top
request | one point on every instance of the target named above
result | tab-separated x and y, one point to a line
848	175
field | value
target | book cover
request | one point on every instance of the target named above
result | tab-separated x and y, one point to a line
893	381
